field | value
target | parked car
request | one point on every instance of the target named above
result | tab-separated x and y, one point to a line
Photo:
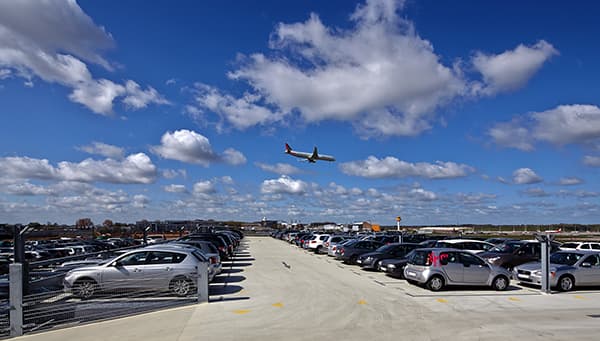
371	260
331	240
394	267
437	268
349	252
214	261
514	253
567	269
158	268
216	240
498	241
317	242
474	246
333	246
580	246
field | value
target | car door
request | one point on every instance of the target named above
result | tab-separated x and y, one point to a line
589	275
160	267
476	271
124	272
451	265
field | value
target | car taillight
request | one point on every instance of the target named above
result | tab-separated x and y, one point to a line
334	248
313	241
326	244
221	248
552	274
213	260
341	251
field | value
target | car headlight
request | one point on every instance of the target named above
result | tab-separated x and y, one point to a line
368	259
493	259
391	266
537	273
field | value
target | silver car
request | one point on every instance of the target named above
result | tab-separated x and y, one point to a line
437	268
173	269
567	269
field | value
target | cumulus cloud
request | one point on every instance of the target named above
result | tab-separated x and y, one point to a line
278	168
570	181
284	185
27	189
140	201
173	188
204	187
172	173
233	157
421	194
135	168
536	192
565	124
592	161
103	149
55	47
511	69
524	176
188	146
391	167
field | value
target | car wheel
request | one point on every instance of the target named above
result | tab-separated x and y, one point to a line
566	283
181	286
435	283
500	283
318	250
378	267
85	288
353	259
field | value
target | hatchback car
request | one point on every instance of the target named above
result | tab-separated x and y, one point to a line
371	260
437	268
567	269
161	269
349	252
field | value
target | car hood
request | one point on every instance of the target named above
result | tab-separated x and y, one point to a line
537	266
394	261
372	254
488	254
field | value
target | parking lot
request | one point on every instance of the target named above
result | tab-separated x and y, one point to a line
274	291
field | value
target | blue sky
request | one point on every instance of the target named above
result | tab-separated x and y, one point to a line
468	112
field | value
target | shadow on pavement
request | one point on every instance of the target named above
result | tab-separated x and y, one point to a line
224	289
228	279
231	271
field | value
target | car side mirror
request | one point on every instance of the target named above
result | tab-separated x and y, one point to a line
117	264
586	265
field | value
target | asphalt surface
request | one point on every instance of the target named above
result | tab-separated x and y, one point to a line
274	291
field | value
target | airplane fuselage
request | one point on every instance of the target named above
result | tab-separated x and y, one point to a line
310	157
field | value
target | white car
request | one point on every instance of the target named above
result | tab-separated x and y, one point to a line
474	246
580	246
330	243
316	242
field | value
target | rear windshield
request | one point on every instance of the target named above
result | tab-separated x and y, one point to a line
420	258
565	258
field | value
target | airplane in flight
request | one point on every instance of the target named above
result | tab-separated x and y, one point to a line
312	158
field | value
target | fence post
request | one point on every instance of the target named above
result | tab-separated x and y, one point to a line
15	273
202	282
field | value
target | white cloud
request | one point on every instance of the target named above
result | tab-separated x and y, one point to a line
565	124
536	192
135	168
422	194
204	187
570	181
592	161
279	168
54	47
523	176
27	189
512	69
233	157
140	201
283	185
5	73
107	150
175	188
241	112
186	146
377	74
172	173
391	167
227	180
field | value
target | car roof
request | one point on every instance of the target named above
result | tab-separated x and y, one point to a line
452	241
585	252
441	249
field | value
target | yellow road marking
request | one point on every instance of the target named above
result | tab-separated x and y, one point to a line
514	299
579	297
277	305
241	311
362	302
442	300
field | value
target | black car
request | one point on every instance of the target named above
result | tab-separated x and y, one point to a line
514	253
349	252
216	240
371	260
394	267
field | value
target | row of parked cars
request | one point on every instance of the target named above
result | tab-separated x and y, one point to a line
439	262
170	265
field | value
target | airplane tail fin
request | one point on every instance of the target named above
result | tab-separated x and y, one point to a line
288	149
315	154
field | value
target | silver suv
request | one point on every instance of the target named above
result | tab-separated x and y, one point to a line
168	268
437	268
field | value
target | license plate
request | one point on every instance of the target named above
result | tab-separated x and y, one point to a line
411	274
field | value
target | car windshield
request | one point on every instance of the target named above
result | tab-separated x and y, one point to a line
505	248
565	258
386	248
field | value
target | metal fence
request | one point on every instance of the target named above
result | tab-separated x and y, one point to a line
52	306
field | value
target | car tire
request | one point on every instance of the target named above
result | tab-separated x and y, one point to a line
181	286
85	288
565	283
435	283
318	250
500	283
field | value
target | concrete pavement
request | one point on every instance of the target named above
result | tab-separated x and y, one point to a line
277	291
